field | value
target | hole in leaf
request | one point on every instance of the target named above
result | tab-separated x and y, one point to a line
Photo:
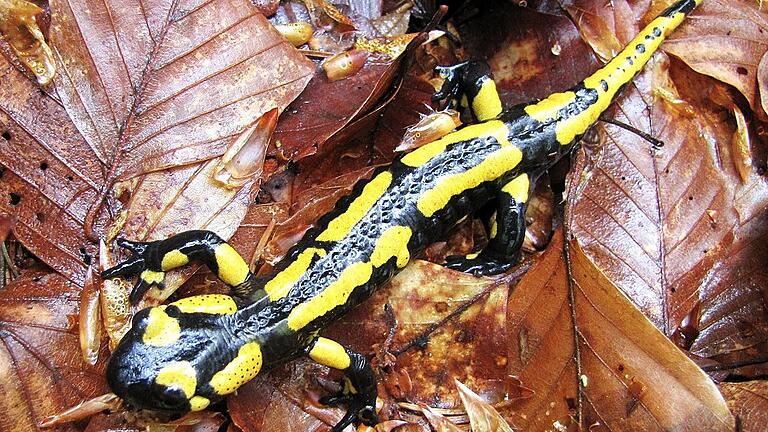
7	136
741	70
15	198
43	165
690	198
69	178
40	217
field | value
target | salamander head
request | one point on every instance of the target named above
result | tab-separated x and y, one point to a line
175	357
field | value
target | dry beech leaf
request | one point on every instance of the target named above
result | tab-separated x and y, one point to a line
632	376
748	401
168	83
41	370
482	416
725	39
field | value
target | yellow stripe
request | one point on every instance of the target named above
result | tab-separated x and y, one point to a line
173	259
518	188
330	353
152	277
336	294
607	81
239	371
423	154
208	303
339	227
180	375
493	167
548	109
392	243
232	268
281	283
486	104
162	330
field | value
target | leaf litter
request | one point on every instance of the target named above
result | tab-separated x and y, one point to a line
587	358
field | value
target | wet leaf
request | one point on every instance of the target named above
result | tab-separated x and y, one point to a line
735	39
160	85
748	402
20	30
681	226
40	363
482	416
630	375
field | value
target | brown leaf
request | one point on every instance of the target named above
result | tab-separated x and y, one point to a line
630	375
40	361
482	416
748	402
725	39
163	84
50	177
678	228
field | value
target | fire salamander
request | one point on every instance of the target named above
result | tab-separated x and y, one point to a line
187	354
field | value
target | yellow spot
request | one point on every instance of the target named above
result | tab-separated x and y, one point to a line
208	303
330	353
494	166
339	227
239	371
162	330
198	403
608	80
232	268
392	243
180	375
173	259
518	188
152	277
486	104
549	108
473	255
425	153
336	294
281	283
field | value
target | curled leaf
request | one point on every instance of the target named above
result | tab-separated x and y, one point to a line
297	33
429	128
482	416
244	159
345	64
19	28
90	316
83	410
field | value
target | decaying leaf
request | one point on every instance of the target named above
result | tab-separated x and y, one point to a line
41	370
628	374
735	42
748	402
482	416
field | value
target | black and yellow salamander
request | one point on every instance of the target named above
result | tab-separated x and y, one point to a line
187	354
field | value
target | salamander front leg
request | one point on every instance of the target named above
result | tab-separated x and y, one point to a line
359	384
470	84
506	236
150	261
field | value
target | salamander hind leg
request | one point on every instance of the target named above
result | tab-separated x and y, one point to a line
358	386
506	234
150	260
